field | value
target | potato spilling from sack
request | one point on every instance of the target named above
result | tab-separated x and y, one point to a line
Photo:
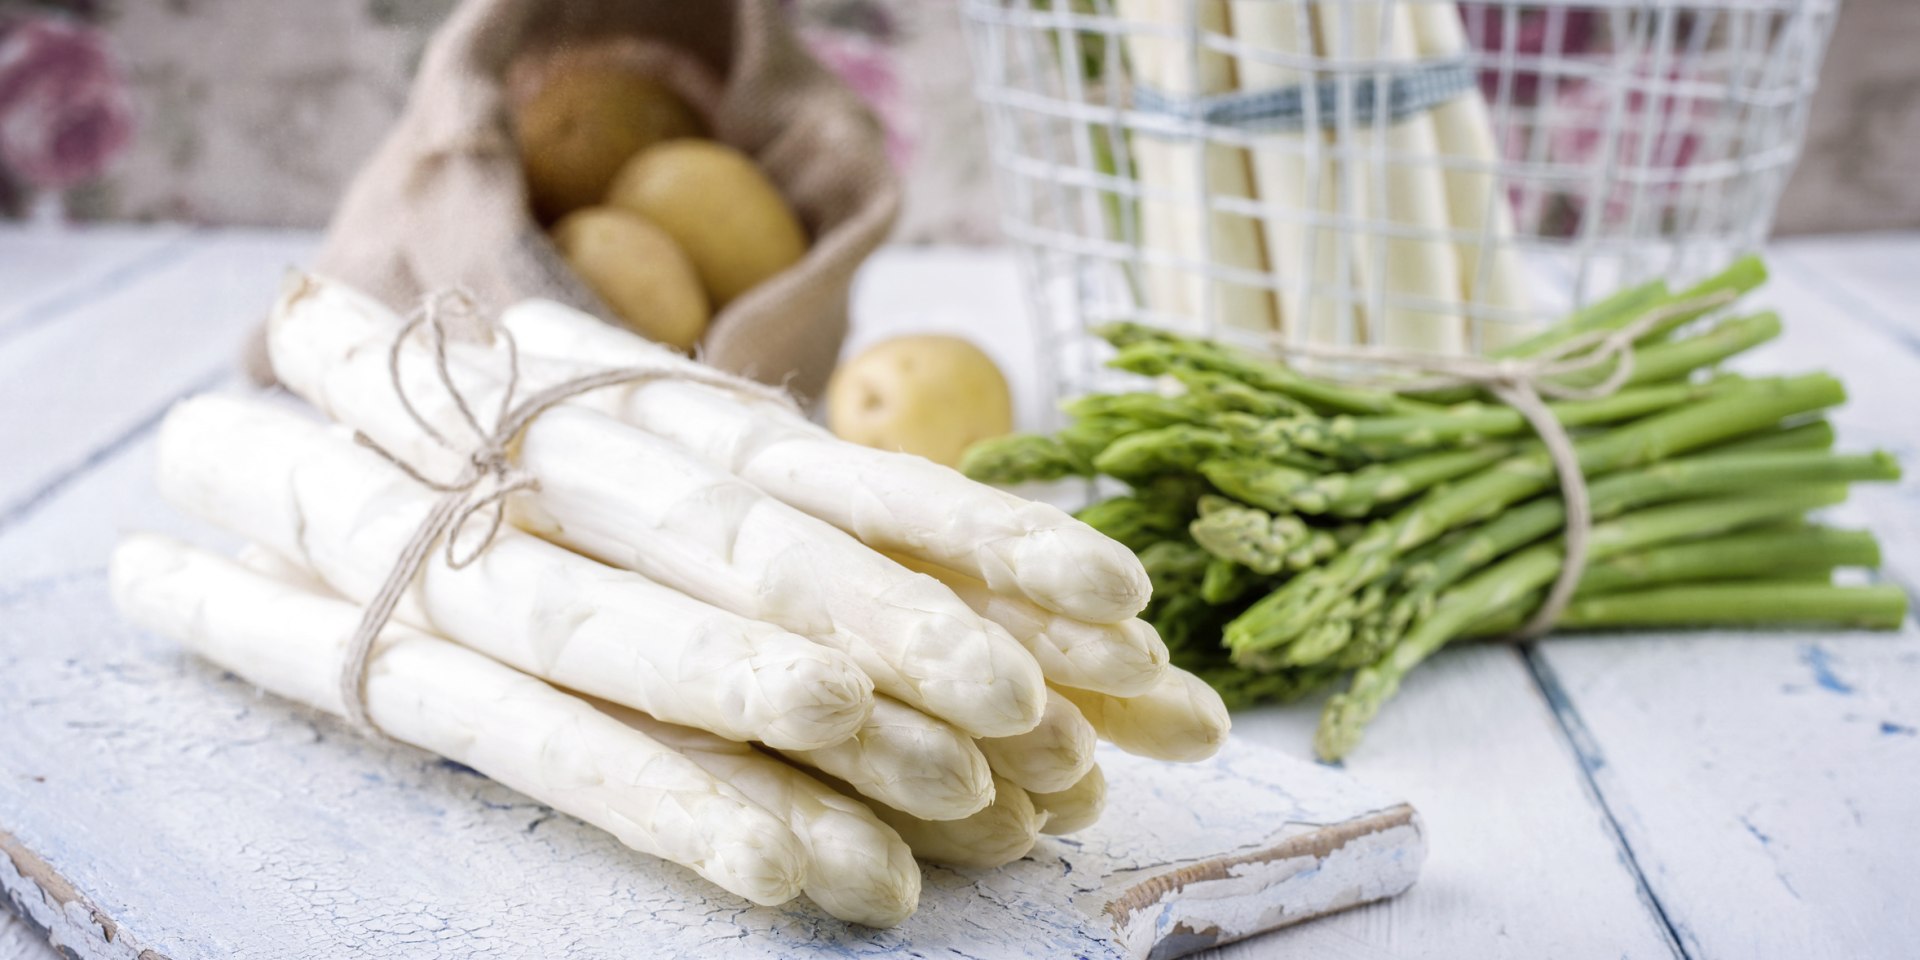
582	126
636	268
719	207
664	226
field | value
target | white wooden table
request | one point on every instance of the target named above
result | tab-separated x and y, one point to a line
1695	796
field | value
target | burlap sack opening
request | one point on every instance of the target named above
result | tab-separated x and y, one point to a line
443	203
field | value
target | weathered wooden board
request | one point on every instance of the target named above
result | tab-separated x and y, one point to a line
100	367
41	278
149	803
1781	765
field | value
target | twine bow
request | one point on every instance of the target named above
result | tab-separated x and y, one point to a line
490	474
1526	384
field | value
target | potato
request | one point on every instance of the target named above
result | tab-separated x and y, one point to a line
930	395
636	268
720	209
583	123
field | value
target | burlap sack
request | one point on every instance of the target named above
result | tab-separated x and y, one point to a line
443	202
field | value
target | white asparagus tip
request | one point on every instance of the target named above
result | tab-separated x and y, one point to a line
1075	808
910	761
1073	569
815	695
998	835
964	669
1180	720
1050	757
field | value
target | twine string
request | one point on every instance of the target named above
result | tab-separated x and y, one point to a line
489	475
1526	384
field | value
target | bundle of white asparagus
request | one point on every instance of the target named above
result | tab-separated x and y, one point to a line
1391	233
733	641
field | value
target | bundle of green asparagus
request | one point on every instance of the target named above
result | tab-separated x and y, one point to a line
1301	530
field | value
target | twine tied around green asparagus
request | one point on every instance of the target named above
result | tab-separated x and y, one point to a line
1526	384
490	474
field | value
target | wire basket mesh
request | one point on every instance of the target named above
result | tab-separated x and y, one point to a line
1420	175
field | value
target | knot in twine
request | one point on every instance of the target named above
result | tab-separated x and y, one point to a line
490	474
1526	384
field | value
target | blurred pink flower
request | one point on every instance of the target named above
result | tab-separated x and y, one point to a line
1533	29
866	67
64	108
1657	136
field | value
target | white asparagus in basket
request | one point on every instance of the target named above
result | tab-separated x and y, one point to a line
910	761
634	500
1292	172
1490	270
1051	756
1075	808
1122	658
892	501
446	699
859	869
310	494
1396	164
1181	719
1190	173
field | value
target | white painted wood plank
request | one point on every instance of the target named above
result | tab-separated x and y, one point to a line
75	383
1523	864
1765	782
1870	276
43	269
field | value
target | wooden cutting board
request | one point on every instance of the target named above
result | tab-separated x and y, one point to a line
153	807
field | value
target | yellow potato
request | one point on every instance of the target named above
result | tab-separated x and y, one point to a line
930	395
636	268
728	217
585	122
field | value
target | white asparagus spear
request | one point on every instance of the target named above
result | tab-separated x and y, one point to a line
1075	808
1122	658
1051	756
306	492
997	835
1181	719
898	755
1465	131
451	701
1192	172
1423	266
891	501
1288	174
633	500
858	868
908	760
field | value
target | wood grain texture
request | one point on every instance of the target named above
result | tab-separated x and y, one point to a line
1765	781
1523	864
108	363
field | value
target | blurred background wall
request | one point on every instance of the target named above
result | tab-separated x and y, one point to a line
257	111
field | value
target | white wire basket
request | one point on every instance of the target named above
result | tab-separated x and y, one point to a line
1421	175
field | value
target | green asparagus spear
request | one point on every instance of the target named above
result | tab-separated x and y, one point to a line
1284	614
1518	577
1770	554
